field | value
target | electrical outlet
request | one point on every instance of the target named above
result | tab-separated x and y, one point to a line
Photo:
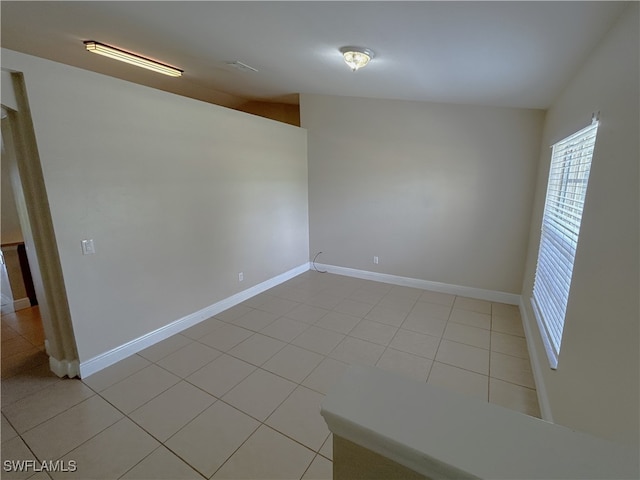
240	276
375	260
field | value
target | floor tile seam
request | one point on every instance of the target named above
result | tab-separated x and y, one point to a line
297	441
355	338
226	459
514	383
39	346
287	342
157	362
471	310
467	325
467	344
123	415
309	466
279	314
371	341
253	364
408	309
461	368
228	322
18	336
290	342
29	448
324	456
512	356
147	401
44	421
507	318
165	442
442	304
12	426
151	453
420	333
246	440
123	378
293	381
312	351
50	418
329	329
216	399
515	356
408	353
389	346
190	382
5	359
237	326
32	393
264	422
249	329
489	376
505	333
382	323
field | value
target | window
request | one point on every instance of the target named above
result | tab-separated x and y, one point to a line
566	190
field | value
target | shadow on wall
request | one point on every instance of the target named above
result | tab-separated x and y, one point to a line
281	112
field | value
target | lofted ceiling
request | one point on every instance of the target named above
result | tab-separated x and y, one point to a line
516	54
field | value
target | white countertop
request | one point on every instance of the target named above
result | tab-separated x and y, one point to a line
441	434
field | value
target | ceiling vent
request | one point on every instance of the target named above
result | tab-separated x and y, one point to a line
243	67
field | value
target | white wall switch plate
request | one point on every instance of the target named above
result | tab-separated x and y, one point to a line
88	248
375	260
240	276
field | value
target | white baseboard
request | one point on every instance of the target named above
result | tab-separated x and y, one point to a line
479	293
7	308
64	367
106	359
21	303
530	331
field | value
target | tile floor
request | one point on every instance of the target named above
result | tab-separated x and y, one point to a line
238	395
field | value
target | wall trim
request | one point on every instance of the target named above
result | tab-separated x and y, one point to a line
7	309
21	304
536	366
62	368
479	293
97	363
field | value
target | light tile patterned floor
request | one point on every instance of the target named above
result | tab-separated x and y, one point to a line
238	396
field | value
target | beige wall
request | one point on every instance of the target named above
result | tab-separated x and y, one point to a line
595	387
438	192
179	196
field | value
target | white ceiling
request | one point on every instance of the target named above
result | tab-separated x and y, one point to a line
517	54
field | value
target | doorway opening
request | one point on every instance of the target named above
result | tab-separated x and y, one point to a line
21	163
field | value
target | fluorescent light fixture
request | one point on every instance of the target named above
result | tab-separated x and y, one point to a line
131	58
356	57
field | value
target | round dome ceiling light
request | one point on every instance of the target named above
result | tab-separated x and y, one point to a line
356	57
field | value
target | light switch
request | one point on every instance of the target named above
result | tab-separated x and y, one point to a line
88	248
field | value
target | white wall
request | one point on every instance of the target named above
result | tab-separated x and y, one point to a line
10	231
595	387
10	224
179	196
438	192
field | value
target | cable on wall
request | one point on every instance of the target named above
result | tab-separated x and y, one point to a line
314	264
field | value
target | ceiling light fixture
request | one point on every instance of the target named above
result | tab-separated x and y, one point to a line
356	57
131	58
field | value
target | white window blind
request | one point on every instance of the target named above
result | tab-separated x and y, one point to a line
566	191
